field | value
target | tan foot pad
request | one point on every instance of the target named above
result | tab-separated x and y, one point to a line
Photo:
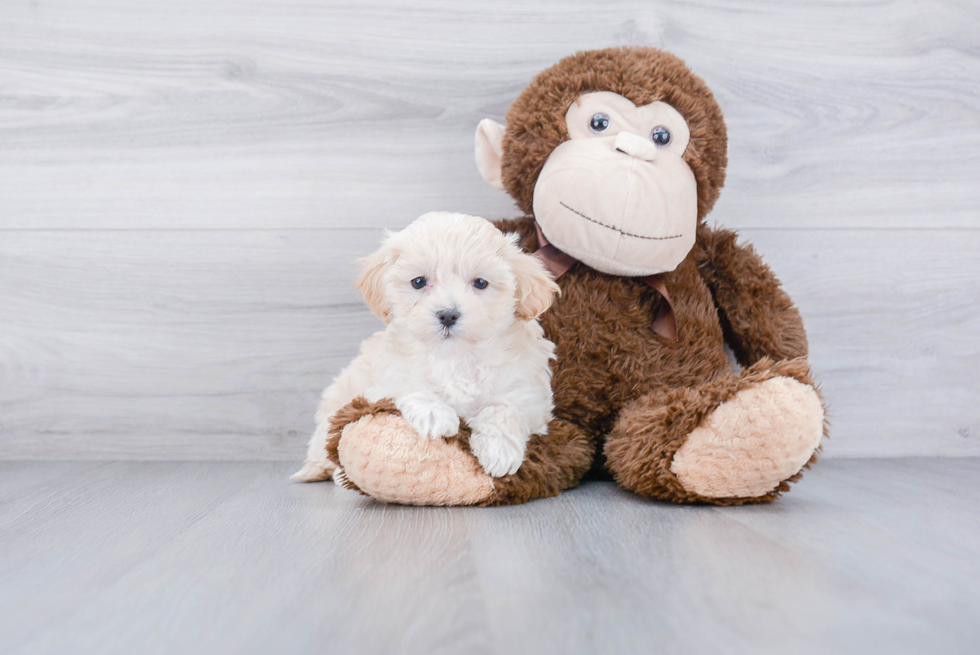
751	443
387	459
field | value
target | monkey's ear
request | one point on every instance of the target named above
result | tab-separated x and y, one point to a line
489	149
371	281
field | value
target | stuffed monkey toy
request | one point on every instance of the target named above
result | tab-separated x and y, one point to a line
615	157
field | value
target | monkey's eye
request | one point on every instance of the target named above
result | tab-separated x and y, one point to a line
480	283
419	282
660	135
599	124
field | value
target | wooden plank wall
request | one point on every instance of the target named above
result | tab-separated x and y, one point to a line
184	185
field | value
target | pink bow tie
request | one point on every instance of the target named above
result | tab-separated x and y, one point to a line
558	263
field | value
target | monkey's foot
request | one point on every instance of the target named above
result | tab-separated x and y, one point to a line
384	457
734	440
752	442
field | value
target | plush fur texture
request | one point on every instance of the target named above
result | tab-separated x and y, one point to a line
460	299
662	417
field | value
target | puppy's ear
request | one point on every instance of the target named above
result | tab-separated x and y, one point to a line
535	288
371	281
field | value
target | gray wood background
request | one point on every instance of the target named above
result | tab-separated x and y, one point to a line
185	184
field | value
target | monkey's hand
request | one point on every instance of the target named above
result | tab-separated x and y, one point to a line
761	318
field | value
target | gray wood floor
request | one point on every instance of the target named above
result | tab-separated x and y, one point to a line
864	556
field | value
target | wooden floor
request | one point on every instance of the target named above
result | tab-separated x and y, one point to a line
864	556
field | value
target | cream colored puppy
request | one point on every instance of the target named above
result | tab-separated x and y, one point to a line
460	299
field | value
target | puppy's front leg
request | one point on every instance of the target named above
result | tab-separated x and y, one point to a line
499	439
429	415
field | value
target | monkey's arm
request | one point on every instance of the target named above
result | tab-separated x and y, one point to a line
758	317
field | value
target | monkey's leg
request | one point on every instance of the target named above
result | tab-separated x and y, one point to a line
737	439
381	455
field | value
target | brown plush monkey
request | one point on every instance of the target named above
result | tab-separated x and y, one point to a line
616	156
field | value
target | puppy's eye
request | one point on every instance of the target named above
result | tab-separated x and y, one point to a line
419	282
599	123
480	283
660	135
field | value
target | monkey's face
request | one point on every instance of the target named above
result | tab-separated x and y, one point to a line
618	194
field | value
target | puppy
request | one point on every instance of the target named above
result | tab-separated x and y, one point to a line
460	299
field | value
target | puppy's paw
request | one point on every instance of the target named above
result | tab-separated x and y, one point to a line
317	467
430	419
314	472
497	455
498	440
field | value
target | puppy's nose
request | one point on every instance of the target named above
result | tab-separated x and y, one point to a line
448	317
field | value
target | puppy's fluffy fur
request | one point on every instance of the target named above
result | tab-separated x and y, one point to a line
451	348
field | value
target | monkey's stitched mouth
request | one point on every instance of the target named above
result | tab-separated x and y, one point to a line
616	229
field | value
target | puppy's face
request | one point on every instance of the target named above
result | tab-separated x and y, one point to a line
452	276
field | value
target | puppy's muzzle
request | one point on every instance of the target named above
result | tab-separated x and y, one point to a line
448	317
